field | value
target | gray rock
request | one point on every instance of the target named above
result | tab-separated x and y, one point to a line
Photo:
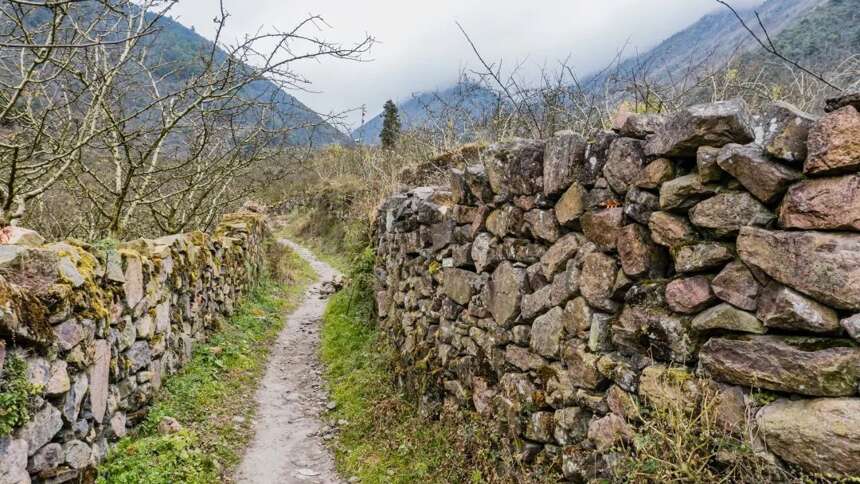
133	281
69	272
640	125
542	224
724	214
139	355
707	168
737	286
597	280
671	230
68	334
852	326
486	252
571	425
701	256
600	333
765	179
784	308
75	396
41	428
684	192
714	124
504	221
515	167
655	174
730	318
602	226
77	454
563	162
547	332
785	131
49	457
557	256
625	159
639	205
507	287
13	461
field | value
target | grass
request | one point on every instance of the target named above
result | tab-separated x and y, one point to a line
332	244
212	397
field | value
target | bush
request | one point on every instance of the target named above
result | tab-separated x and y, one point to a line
15	394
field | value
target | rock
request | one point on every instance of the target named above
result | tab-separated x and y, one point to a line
785	256
563	161
507	287
707	168
543	224
169	425
602	226
639	205
852	326
728	317
478	183
625	159
640	125
600	333
724	214
13	461
834	142
784	308
118	425
75	396
840	101
689	295
540	427
571	425
793	430
100	379
546	333
655	174
69	272
581	366
737	286
684	192
41	428
578	316
459	284
651	329
785	131
730	406
145	327
555	258
133	281
804	365
823	204
485	252
139	356
671	230
504	221
13	235
68	334
622	403
523	358
53	377
571	205
765	179
669	389
515	167
701	256
77	454
640	257
597	280
460	194
714	124
49	457
609	431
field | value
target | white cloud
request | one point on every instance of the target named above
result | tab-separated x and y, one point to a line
420	47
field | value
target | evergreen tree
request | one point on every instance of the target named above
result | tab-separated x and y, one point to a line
390	125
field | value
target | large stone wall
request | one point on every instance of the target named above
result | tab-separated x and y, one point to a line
101	327
558	283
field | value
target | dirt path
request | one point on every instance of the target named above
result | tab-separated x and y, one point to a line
287	445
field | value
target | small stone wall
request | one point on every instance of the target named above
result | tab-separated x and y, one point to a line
101	327
557	283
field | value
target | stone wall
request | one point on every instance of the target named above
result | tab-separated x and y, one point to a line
101	327
558	283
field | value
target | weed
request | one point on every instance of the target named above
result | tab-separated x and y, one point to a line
15	395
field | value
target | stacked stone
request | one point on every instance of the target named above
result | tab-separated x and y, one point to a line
100	328
557	283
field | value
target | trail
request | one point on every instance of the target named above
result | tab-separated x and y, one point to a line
287	445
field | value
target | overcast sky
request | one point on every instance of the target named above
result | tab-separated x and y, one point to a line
420	48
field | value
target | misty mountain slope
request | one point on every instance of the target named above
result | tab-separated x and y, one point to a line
459	105
180	45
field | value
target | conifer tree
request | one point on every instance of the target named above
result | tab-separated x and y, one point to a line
390	125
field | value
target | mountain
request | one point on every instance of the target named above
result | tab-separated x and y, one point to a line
456	107
178	45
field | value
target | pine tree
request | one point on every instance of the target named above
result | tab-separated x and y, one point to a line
390	125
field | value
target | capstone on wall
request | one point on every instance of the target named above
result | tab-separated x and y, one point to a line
100	328
560	282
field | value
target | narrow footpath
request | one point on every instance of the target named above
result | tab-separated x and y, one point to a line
288	442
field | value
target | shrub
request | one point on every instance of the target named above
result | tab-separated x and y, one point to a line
15	394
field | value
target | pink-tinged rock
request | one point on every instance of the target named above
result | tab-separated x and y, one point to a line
821	436
523	359
133	281
791	364
41	428
555	258
823	204
788	257
623	161
13	235
689	295
563	161
69	334
602	226
785	130
834	143
100	379
609	431
640	256
765	179
736	285
581	365
784	308
671	230
727	317
852	326
597	280
714	124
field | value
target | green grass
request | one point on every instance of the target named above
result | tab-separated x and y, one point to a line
208	395
326	237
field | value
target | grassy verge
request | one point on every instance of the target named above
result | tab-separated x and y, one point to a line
213	397
326	237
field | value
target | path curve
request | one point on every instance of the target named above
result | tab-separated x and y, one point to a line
287	446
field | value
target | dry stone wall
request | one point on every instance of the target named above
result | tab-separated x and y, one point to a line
100	329
557	283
